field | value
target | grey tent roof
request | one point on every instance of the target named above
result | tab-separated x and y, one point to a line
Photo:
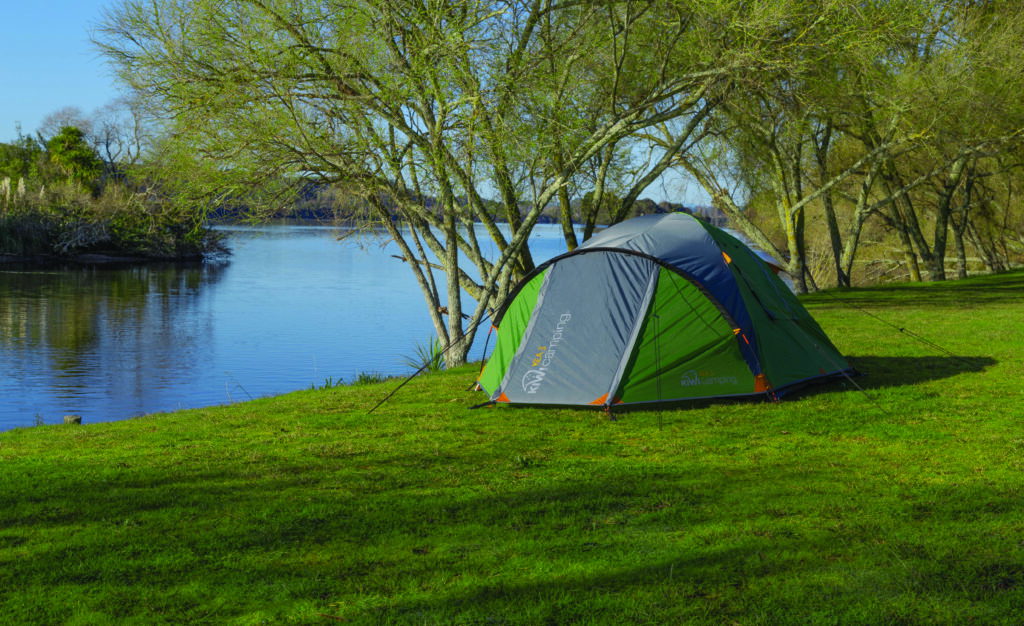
677	239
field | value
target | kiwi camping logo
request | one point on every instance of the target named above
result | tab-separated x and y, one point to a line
693	378
545	356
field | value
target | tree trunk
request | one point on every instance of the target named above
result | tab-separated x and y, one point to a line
568	229
842	277
937	264
821	155
905	220
458	347
989	254
427	286
905	245
515	220
959	226
597	196
794	241
860	216
961	253
850	249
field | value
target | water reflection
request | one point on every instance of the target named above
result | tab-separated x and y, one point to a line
292	307
70	336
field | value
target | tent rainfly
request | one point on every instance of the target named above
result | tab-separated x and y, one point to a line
658	308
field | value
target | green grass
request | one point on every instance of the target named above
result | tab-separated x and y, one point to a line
829	508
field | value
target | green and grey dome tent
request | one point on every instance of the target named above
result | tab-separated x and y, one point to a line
658	308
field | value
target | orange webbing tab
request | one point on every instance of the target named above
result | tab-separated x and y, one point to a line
728	259
604	400
761	384
503	398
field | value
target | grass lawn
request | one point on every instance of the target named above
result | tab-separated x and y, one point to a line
905	507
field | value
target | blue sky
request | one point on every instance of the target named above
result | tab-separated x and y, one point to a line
48	62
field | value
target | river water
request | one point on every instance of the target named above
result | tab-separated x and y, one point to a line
292	307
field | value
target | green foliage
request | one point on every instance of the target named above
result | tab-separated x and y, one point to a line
69	151
329	383
26	232
19	160
828	508
428	356
370	378
361	379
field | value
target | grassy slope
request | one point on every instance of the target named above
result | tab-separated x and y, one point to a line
301	509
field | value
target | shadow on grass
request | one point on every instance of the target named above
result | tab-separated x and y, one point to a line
873	372
587	544
881	372
898	371
393	545
1002	288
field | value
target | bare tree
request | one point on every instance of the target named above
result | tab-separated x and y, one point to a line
62	117
427	109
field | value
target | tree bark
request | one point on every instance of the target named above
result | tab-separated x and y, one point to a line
821	149
937	262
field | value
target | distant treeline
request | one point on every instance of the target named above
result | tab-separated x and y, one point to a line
323	203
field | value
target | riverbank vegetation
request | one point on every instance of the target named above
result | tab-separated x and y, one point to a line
903	505
61	200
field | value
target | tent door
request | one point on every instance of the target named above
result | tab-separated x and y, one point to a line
577	341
